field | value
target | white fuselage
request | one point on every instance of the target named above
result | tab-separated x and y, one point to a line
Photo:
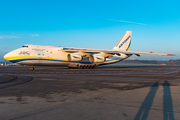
39	55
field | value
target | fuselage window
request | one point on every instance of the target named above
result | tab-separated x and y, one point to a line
24	46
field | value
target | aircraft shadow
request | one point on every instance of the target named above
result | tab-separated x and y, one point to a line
133	66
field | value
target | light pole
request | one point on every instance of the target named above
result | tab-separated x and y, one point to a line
5	54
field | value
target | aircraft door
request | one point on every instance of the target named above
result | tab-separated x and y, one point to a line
40	60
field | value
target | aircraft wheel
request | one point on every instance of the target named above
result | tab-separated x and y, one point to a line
90	67
31	67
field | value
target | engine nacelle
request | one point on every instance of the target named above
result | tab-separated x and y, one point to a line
74	57
97	58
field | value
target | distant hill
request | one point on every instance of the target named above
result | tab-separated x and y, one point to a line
170	62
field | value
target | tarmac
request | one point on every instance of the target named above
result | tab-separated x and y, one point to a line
137	92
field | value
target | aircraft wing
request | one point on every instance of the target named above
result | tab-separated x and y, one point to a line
144	53
84	50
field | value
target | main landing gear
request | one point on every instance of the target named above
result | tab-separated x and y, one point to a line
83	67
31	67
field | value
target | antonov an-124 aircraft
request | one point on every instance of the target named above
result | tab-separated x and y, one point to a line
83	58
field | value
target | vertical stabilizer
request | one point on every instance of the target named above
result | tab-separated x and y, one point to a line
125	42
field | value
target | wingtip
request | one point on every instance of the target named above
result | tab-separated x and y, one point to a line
171	55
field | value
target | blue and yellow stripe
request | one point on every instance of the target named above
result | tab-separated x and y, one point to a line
15	59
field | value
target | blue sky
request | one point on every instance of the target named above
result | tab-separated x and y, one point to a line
93	24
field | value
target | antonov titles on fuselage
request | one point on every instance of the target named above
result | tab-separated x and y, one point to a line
39	55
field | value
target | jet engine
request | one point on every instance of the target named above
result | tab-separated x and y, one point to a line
74	57
97	58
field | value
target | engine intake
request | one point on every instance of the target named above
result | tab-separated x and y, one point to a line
97	58
74	57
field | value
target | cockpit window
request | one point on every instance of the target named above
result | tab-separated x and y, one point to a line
25	46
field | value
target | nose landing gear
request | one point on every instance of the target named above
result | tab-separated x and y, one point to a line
31	67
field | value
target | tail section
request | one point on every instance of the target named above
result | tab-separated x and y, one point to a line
125	42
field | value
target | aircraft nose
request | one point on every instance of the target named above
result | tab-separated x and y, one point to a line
6	56
10	55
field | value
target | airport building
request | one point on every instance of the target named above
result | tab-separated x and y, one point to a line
1	64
